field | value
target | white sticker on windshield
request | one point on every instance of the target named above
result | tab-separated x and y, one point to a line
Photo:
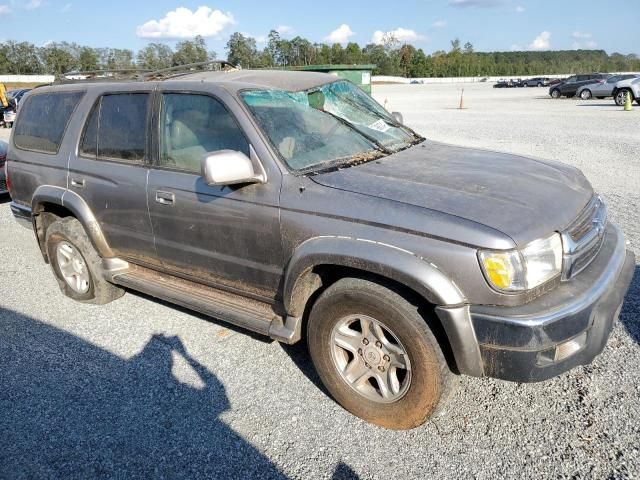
380	126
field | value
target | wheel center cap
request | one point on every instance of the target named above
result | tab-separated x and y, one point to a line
372	355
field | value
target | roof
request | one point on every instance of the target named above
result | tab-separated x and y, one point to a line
270	79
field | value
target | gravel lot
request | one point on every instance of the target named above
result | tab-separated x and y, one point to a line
140	389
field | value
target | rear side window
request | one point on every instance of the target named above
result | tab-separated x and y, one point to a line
116	128
43	119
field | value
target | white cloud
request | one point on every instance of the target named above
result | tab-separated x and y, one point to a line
475	3
583	40
439	24
340	34
403	35
285	30
184	23
520	9
541	42
4	9
33	4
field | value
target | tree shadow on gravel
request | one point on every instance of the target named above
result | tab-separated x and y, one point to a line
71	409
630	314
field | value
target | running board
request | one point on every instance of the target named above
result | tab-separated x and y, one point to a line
238	310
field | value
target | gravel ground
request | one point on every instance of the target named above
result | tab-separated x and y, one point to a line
140	389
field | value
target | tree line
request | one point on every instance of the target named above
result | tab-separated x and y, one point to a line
391	57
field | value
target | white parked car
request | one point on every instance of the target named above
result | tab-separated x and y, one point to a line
627	87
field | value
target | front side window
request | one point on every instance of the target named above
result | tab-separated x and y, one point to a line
193	125
116	128
43	120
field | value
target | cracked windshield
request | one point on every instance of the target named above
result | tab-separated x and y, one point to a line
332	125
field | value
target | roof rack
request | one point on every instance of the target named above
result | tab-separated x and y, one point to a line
211	66
76	76
141	75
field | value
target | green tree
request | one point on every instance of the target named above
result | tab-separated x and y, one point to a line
87	59
191	51
155	56
242	50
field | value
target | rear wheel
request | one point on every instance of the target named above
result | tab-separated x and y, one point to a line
376	355
76	265
585	94
555	93
539	84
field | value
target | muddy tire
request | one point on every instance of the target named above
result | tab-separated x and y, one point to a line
76	264
376	355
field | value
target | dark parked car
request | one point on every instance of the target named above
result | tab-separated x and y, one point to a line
290	202
502	83
3	160
536	82
570	86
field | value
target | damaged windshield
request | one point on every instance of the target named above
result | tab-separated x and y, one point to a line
335	124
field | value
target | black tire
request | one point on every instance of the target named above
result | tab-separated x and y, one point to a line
539	84
586	94
70	231
620	95
555	93
430	380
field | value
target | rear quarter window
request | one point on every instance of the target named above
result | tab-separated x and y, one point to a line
43	120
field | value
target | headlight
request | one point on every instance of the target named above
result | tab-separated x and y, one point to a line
523	269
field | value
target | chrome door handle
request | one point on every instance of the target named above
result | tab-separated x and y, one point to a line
77	182
165	198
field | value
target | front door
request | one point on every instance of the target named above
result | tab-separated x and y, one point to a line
222	235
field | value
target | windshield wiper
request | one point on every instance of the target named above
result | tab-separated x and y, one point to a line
350	125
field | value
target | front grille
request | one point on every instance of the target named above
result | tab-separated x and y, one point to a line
581	226
3	185
582	240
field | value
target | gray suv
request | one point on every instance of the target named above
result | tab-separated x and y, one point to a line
295	206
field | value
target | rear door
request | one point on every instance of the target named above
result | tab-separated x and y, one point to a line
227	236
109	170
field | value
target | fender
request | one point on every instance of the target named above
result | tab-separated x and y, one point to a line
385	260
74	203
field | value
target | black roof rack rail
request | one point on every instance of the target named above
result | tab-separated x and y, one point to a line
136	74
141	75
211	65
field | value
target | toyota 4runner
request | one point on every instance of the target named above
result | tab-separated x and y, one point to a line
294	205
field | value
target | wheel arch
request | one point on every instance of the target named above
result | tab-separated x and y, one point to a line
380	259
50	201
319	262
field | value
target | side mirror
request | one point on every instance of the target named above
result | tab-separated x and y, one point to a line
228	167
398	117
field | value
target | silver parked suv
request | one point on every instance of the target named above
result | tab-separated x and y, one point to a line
293	205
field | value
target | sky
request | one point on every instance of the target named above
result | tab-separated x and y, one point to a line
490	25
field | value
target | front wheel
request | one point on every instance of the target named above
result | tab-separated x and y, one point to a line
621	97
555	93
376	355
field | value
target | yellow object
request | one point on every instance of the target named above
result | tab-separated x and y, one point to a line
3	95
627	102
499	271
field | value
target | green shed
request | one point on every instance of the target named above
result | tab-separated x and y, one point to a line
357	74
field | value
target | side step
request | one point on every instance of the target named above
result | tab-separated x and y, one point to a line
244	312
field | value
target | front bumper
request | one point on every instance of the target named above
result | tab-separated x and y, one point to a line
566	327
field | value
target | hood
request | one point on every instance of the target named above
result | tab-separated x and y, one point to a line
523	198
